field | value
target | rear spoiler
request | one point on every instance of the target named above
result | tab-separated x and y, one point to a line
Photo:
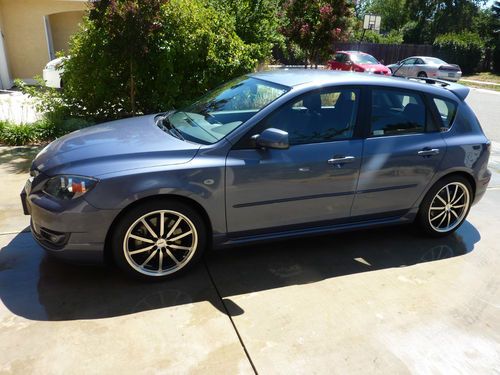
460	91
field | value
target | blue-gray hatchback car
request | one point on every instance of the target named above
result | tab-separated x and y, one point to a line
266	156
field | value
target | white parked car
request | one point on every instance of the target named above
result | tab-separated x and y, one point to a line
53	71
425	66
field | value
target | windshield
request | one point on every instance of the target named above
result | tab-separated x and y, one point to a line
224	109
434	60
359	58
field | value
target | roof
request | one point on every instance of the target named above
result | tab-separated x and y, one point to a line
353	52
298	77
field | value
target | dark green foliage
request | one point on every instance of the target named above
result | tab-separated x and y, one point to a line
41	131
464	49
135	57
496	57
430	18
14	135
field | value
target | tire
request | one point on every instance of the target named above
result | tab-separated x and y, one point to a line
446	193
144	251
422	75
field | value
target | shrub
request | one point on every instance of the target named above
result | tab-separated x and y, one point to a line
42	131
464	49
146	56
15	135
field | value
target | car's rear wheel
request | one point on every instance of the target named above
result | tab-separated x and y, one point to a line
422	75
158	240
445	206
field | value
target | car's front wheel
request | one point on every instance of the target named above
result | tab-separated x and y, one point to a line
158	239
445	206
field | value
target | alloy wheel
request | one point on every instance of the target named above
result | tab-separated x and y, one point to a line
449	207
160	243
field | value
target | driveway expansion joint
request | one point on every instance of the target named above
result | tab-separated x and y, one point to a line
230	318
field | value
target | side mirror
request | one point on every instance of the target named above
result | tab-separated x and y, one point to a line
272	138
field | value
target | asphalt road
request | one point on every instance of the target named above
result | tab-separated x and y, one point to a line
384	301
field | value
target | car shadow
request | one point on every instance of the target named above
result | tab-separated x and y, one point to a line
18	159
39	288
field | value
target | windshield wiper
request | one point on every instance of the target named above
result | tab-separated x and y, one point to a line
166	125
195	124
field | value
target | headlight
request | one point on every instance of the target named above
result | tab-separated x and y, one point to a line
69	187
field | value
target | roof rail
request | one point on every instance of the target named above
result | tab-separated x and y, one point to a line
460	91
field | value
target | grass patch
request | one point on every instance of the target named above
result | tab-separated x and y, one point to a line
485	77
480	86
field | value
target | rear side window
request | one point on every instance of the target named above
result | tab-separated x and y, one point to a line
396	112
447	110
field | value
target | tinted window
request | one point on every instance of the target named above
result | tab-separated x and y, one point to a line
447	110
409	62
397	112
339	57
361	58
316	117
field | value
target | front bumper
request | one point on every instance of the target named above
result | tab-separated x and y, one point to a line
70	230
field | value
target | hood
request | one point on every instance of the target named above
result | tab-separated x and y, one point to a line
113	147
375	67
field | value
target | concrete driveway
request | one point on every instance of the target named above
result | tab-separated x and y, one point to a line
380	301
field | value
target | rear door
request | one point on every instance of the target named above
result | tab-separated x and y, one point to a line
401	153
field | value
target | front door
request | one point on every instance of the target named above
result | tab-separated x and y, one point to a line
400	155
311	182
404	70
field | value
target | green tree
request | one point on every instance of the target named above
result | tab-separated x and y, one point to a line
315	25
394	13
256	22
430	18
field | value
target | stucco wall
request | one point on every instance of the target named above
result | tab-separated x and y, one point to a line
64	25
24	32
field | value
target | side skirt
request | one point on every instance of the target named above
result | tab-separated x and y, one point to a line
241	238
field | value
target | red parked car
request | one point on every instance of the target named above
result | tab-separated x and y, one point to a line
357	62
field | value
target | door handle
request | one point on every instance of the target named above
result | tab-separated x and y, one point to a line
341	159
428	151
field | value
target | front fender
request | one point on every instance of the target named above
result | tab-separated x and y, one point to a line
202	184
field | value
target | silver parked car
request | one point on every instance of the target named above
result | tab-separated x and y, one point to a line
424	66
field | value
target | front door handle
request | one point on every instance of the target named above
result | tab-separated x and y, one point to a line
341	159
428	151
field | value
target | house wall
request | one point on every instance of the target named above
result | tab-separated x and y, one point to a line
64	25
23	28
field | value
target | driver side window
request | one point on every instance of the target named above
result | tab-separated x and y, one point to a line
319	116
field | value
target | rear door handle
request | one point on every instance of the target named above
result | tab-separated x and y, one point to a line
341	159
428	151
